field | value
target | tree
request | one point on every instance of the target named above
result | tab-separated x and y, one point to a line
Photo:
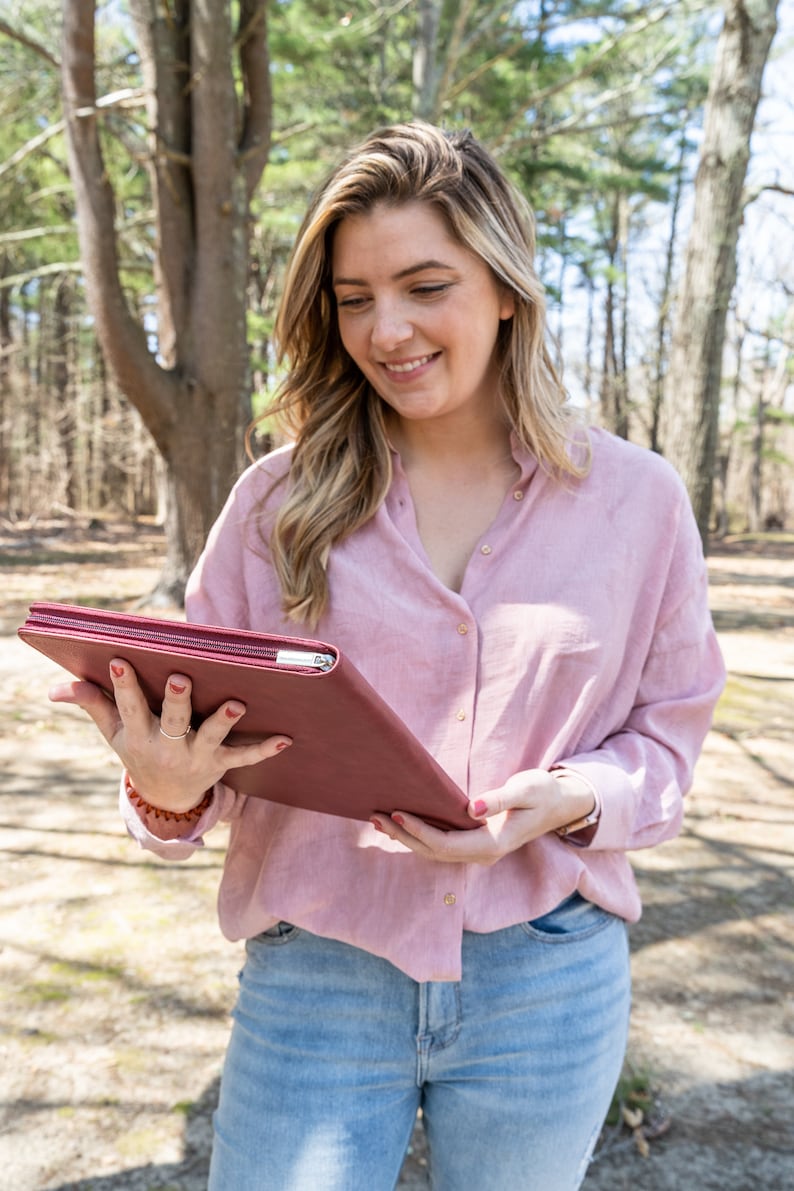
425	64
660	357
588	104
580	101
36	291
710	264
208	109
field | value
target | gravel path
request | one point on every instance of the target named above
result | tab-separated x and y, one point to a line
107	954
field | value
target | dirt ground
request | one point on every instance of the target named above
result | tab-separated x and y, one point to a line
116	985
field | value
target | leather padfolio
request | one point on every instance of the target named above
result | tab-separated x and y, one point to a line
351	754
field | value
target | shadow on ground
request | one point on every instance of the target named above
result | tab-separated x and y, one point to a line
116	987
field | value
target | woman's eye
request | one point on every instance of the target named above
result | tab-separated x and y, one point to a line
431	291
351	303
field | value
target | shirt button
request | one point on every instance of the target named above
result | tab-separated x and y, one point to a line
518	494
485	550
460	715
463	629
449	899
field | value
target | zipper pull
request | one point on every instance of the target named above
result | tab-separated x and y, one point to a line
303	657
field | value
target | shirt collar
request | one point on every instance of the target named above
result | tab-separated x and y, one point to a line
526	461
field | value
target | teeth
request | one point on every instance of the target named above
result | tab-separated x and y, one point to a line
408	367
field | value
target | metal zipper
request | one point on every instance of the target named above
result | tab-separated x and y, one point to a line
281	657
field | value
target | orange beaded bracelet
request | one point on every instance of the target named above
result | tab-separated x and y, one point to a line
159	812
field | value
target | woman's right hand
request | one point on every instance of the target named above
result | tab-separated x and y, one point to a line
170	767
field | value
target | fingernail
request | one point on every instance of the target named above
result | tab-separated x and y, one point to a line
233	713
116	671
177	688
377	825
399	820
480	808
283	744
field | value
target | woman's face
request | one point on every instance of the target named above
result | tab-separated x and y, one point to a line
418	313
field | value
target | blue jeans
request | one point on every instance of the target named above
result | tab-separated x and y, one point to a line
333	1050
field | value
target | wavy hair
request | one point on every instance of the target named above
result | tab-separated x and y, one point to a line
341	466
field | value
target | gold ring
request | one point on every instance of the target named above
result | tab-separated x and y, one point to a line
181	735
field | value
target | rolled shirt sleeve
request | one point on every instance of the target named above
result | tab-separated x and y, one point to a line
642	770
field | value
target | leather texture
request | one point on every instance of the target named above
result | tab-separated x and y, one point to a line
351	754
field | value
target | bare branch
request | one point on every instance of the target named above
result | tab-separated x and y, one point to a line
750	195
67	229
56	268
31	146
129	97
367	25
482	69
607	47
577	122
29	44
164	151
454	44
284	134
36	233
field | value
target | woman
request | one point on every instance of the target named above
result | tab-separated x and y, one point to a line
530	597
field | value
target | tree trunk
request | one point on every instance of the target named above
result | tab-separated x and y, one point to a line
692	417
757	466
589	338
207	152
425	65
660	364
623	374
66	407
6	416
614	412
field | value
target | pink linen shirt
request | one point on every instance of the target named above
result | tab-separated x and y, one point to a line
581	637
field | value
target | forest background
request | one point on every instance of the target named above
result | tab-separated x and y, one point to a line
156	157
138	291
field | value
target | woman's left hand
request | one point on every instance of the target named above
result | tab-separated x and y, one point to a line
528	805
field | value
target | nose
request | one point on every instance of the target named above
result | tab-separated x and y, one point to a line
390	327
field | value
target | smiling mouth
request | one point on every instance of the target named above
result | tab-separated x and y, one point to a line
410	365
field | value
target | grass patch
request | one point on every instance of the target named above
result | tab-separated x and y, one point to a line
81	973
185	1107
141	1144
741	704
47	991
751	705
633	1092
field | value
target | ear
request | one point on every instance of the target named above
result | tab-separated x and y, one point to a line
507	305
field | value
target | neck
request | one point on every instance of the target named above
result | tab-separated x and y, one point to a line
471	443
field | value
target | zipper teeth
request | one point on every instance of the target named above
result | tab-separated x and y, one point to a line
112	630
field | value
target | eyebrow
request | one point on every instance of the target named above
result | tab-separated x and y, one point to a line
407	272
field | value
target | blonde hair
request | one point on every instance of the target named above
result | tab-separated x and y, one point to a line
341	465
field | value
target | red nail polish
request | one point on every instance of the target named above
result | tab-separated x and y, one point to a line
399	820
376	825
282	744
233	713
480	808
117	671
177	688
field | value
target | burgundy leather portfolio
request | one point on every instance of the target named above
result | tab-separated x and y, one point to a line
351	754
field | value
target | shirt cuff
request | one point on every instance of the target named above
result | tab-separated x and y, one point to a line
183	838
585	836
